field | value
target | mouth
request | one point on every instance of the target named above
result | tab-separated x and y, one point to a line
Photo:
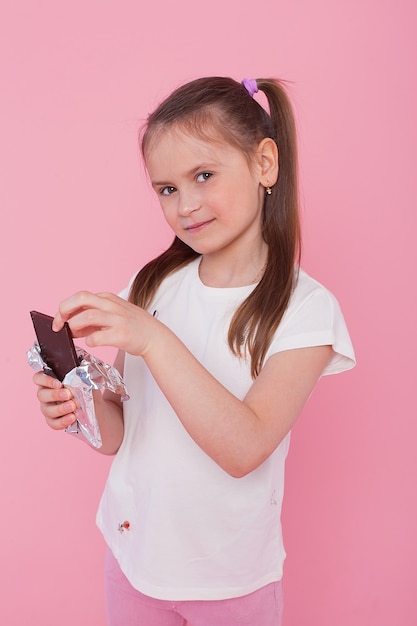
195	228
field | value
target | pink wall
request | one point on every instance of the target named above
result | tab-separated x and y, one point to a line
76	79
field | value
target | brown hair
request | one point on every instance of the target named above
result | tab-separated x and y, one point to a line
221	107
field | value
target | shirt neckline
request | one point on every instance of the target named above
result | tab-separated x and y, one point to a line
194	265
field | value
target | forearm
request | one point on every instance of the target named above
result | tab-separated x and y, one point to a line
222	425
109	415
238	434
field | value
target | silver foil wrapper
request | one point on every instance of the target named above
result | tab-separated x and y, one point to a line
91	374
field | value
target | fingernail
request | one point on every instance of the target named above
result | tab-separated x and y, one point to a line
64	394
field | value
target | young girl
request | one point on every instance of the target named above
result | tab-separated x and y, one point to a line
221	341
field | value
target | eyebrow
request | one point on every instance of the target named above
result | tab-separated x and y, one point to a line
199	168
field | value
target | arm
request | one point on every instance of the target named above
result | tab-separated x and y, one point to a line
237	434
58	406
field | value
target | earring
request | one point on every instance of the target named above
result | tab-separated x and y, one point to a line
268	190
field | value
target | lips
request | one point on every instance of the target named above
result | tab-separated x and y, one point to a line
194	228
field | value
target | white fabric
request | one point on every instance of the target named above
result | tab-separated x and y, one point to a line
195	532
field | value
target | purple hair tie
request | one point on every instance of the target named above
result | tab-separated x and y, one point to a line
250	86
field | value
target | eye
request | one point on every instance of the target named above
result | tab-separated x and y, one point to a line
203	176
167	191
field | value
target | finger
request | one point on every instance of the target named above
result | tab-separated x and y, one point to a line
60	423
107	314
54	410
102	337
71	306
90	321
111	297
47	395
43	380
58	406
84	311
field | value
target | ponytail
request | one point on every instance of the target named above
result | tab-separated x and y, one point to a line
255	322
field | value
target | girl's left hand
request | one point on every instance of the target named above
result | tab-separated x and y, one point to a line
104	319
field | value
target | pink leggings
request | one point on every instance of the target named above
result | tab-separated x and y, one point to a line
128	607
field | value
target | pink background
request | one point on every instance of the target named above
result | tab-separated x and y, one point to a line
77	212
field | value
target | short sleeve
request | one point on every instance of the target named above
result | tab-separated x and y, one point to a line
124	293
314	318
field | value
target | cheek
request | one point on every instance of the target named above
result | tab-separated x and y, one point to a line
170	214
166	206
223	201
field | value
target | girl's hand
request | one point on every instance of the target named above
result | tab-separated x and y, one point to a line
105	319
56	401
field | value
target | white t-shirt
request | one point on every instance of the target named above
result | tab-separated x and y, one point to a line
193	531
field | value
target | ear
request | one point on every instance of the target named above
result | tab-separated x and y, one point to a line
267	153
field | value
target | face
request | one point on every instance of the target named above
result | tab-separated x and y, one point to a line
210	194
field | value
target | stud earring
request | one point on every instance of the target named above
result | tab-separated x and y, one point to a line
268	190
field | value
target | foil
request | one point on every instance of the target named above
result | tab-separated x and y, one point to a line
91	374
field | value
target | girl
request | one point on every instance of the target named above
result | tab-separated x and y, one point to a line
221	341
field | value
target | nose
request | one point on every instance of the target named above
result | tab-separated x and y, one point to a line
188	203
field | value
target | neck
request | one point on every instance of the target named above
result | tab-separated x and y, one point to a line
228	274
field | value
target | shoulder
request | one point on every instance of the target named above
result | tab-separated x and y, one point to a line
311	295
186	272
311	305
313	318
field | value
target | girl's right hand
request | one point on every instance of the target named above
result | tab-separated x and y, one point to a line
56	401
